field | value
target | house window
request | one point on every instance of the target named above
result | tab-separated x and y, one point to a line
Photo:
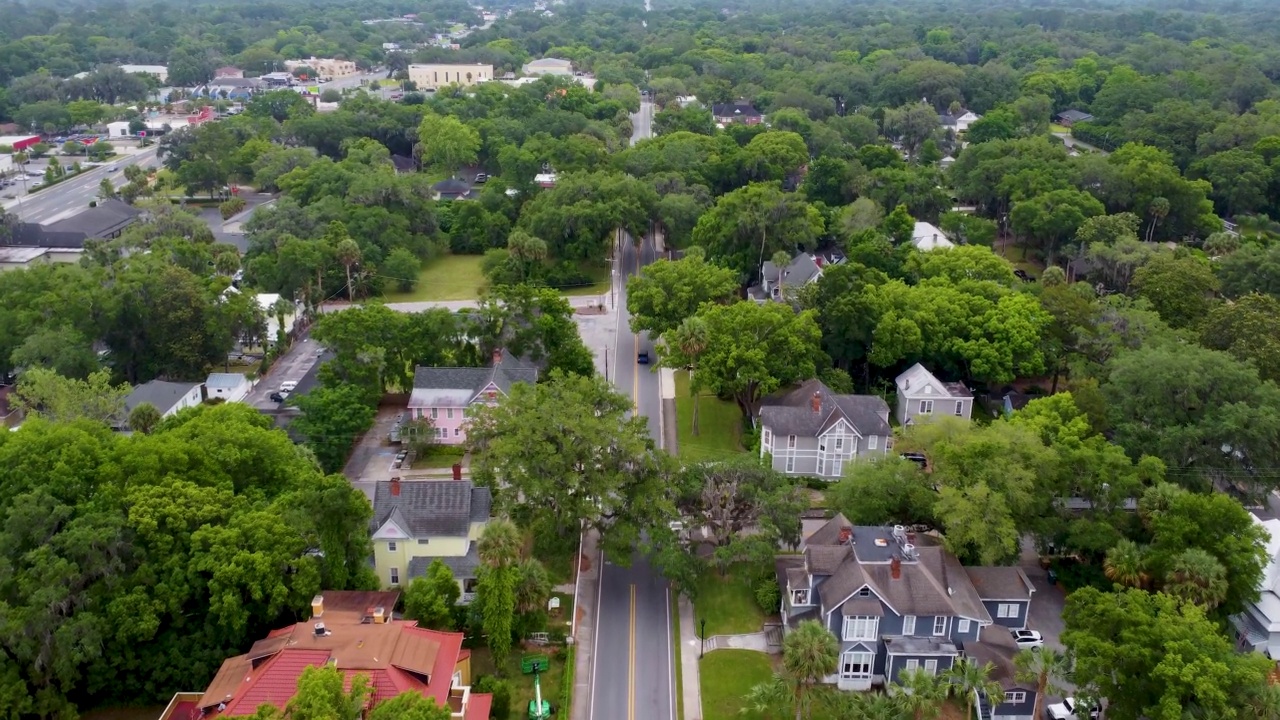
839	443
864	592
856	665
391	547
791	463
822	467
766	437
931	667
911	665
939	626
423	541
449	413
457	678
1015	696
861	627
435	413
791	442
1007	610
799	597
909	625
926	407
872	442
442	433
963	625
457	432
959	408
395	576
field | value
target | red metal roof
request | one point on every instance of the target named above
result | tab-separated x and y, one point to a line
276	681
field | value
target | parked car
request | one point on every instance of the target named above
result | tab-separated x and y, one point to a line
277	397
917	458
643	357
481	178
1068	709
288	386
1027	639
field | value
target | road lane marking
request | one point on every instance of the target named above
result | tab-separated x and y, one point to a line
631	667
671	667
635	376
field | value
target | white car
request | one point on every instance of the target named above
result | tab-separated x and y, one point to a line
1027	639
1067	709
288	386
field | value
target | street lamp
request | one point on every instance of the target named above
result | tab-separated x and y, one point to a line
704	639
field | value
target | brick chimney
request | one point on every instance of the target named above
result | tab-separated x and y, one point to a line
497	357
846	534
395	486
895	568
815	402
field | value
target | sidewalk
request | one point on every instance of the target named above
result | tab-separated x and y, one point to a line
689	677
585	613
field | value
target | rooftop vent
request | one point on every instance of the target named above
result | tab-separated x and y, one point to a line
317	606
881	542
321	631
909	551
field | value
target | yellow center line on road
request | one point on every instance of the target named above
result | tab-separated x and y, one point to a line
631	668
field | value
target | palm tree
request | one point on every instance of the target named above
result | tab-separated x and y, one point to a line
883	707
781	260
809	653
1126	564
527	249
499	545
1265	702
921	693
534	587
690	340
969	680
1158	210
1196	576
281	308
771	698
1045	667
348	253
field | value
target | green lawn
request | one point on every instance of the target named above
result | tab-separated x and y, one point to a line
521	684
673	599
1056	128
719	425
727	604
451	277
728	675
1018	256
599	282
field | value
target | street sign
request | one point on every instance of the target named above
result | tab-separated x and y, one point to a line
142	133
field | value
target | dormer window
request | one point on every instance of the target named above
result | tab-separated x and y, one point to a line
800	597
864	592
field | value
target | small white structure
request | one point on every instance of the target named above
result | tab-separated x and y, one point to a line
548	66
922	396
232	387
927	237
118	129
159	72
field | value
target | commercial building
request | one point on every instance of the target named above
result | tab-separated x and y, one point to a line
19	142
548	66
430	77
324	67
159	72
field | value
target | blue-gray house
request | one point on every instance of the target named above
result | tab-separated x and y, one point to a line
899	601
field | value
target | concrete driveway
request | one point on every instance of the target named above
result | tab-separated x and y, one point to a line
1046	606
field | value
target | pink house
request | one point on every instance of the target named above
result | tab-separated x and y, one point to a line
445	394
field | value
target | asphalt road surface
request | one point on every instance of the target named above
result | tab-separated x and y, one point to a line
72	196
633	676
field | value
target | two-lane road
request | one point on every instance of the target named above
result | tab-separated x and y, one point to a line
72	196
633	676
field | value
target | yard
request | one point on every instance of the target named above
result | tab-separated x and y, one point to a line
451	277
521	684
728	675
1019	258
727	603
719	423
600	276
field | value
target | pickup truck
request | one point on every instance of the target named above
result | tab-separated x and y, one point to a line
1068	709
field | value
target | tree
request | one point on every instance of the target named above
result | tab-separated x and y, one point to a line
332	419
44	393
430	599
1126	564
754	349
1180	288
608	477
969	680
668	292
446	142
533	590
402	266
1240	179
727	498
1249	330
899	225
144	417
885	491
410	705
1154	656
499	550
688	342
1196	576
527	250
348	253
60	348
809	653
1045	667
750	224
321	695
1053	217
921	693
771	698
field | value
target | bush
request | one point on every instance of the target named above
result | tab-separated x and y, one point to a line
402	267
751	439
230	207
566	687
767	594
501	690
564	275
438	450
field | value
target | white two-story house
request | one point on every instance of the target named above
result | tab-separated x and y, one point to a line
921	395
809	430
1258	625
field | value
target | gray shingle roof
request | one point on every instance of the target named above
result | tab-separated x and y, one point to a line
463	568
160	393
1074	115
506	372
823	560
108	218
432	508
1000	583
861	607
791	412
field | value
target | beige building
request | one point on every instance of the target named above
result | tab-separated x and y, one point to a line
430	77
326	67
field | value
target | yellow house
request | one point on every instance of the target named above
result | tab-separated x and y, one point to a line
417	521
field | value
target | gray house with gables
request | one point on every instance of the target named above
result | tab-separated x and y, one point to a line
897	601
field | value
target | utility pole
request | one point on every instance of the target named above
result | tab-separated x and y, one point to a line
704	638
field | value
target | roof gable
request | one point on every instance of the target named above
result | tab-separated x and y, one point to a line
430	508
